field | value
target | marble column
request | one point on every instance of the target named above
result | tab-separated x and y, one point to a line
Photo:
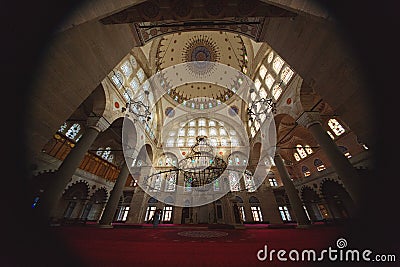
340	163
66	170
116	193
294	199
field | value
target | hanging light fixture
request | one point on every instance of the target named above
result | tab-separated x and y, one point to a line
139	104
257	107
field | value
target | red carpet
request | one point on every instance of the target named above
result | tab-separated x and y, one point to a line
166	247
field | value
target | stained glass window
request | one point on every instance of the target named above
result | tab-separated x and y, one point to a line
249	182
73	131
286	74
99	151
217	186
170	182
330	135
191	132
63	127
181	142
234	142
301	151
118	79
256	212
134	84
336	127
269	81
283	210
308	149
263	71
234	181
305	171
157	182
133	62
257	83
277	64
106	153
319	164
140	75
126	68
270	57
276	91
263	93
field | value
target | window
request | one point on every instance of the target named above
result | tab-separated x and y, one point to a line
170	182
73	131
249	182
167	214
202	131
270	57
213	131
191	142
319	164
272	182
106	153
262	93
149	213
308	149
133	62
170	142
277	64
234	181
126	68
269	81
202	122
181	132
217	186
157	183
140	75
181	142
256	212
123	213
242	213
118	79
296	156
305	171
191	132
257	83
283	210
301	151
330	135
345	151
188	185
286	75
134	84
263	71
276	91
336	127
63	128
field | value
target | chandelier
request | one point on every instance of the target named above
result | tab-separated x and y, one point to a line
260	107
201	167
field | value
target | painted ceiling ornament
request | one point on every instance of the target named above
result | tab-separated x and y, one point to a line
203	50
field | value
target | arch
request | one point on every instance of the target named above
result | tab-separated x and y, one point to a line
152	200
77	189
99	196
254	200
238	199
338	199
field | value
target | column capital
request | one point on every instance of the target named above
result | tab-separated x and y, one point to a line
100	124
309	118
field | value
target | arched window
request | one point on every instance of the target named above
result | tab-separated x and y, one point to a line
191	142
286	75
134	84
133	61
336	127
257	83
118	79
255	209
213	132
234	142
126	68
73	131
277	64
319	164
217	185
140	74
170	142
263	71
301	151
234	181
191	132
63	128
249	182
308	149
269	81
170	184
106	153
181	142
296	156
276	91
345	151
156	182
306	172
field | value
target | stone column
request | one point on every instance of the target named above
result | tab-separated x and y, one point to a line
53	192
295	202
341	164
116	192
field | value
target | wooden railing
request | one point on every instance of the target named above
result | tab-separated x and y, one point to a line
60	146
